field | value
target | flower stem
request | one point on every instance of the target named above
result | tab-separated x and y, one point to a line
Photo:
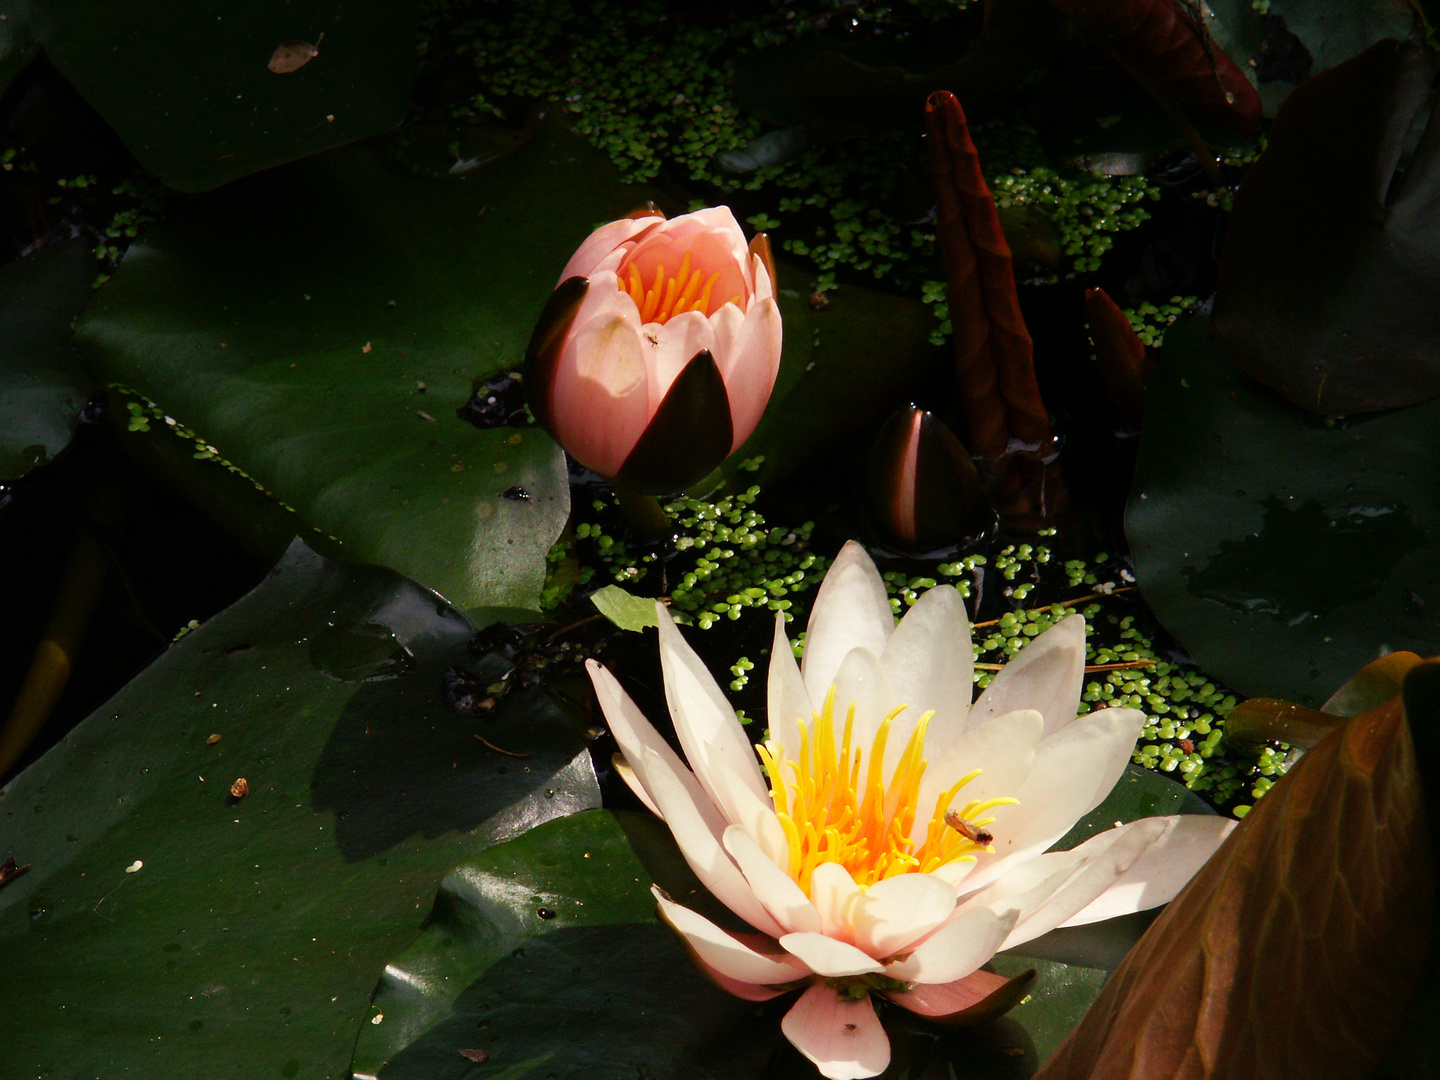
646	517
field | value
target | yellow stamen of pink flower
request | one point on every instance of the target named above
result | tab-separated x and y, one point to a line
670	295
834	805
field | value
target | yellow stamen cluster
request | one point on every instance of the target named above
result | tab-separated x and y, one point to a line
835	806
668	296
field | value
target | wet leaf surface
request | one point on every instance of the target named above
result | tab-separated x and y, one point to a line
250	932
265	358
42	385
520	931
1295	950
1277	549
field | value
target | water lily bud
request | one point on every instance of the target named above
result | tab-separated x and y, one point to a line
656	354
924	491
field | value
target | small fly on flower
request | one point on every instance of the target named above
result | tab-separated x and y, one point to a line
966	829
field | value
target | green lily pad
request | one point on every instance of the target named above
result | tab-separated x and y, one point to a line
17	46
1284	552
1327	290
166	927
1333	31
545	954
191	87
320	324
42	386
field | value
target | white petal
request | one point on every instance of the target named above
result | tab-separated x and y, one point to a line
752	813
1046	675
969	939
785	690
1074	770
704	720
827	957
1004	752
931	663
626	773
632	731
834	894
843	1038
862	682
899	911
1162	871
851	611
697	828
1104	858
775	888
724	952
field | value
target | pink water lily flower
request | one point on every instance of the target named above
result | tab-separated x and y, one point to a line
656	354
890	837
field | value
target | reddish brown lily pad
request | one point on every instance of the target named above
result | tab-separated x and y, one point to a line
1295	949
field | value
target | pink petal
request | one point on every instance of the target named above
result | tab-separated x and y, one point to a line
750	367
843	1037
981	995
602	242
669	346
717	221
600	403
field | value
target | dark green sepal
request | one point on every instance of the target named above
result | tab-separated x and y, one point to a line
689	434
542	355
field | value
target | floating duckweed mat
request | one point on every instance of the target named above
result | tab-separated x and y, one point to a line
655	93
731	564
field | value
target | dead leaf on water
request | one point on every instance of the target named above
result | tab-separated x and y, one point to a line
293	55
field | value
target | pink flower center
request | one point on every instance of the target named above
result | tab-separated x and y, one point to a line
668	295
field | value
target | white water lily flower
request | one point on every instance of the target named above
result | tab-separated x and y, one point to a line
891	837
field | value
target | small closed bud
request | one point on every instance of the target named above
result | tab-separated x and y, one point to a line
923	489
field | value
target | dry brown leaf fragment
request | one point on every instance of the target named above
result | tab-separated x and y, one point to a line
1295	948
292	56
212	740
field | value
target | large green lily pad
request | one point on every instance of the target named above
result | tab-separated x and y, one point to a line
42	386
190	88
1327	288
166	928
1284	552
319	325
545	954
